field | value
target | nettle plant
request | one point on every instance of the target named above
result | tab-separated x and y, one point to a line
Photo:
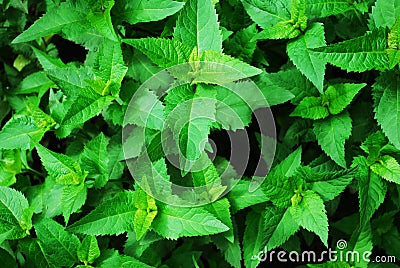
108	107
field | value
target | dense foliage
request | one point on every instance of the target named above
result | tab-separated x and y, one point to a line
97	122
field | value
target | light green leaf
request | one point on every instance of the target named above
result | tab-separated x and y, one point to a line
240	196
174	222
57	244
94	160
35	83
15	218
326	8
20	133
65	15
89	250
145	110
122	261
145	213
190	122
341	95
280	184
359	54
361	242
109	66
371	189
221	209
284	30
241	45
73	197
163	52
254	238
306	60
112	216
388	168
267	13
332	133
10	165
231	250
384	13
311	108
34	251
310	214
217	68
327	184
145	11
86	106
277	84
197	26
99	18
62	167
47	62
387	107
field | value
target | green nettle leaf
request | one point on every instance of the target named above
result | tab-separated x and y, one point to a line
100	19
94	159
122	261
241	45
87	105
235	104
34	251
62	167
254	238
190	122
221	208
388	168
145	213
327	184
66	15
280	184
197	26
240	196
112	216
267	13
35	83
372	189
332	133
361	242
163	52
10	166
387	107
274	92
279	226
20	133
89	250
310	214
110	67
339	96
288	29
300	51
145	11
57	244
15	215
359	54
218	68
325	8
145	110
73	197
284	30
385	13
311	108
174	222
